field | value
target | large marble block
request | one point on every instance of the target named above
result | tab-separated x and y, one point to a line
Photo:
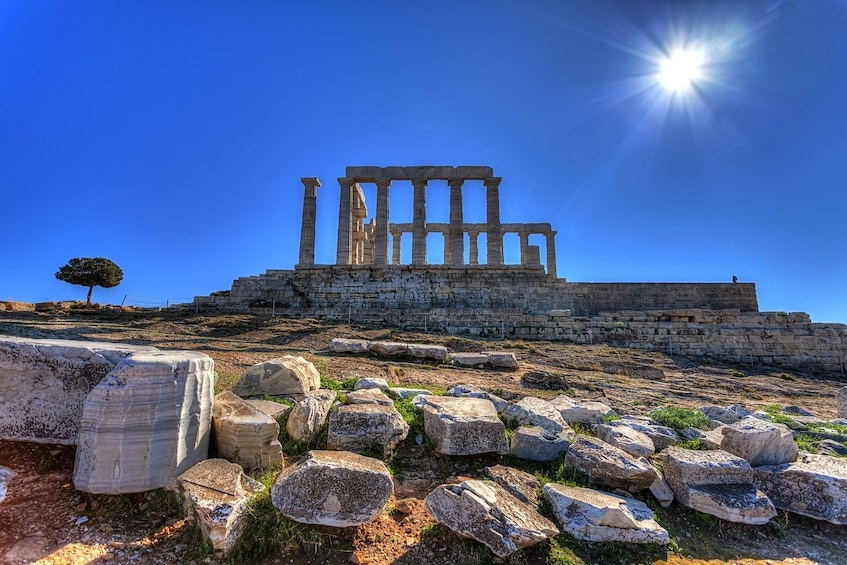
44	382
146	423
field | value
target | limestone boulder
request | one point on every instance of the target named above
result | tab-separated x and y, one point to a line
368	396
6	475
275	410
592	515
283	375
388	348
661	490
531	411
520	484
486	512
584	412
427	351
609	466
308	416
627	438
244	434
147	422
44	383
476	392
333	488
341	345
717	483
404	393
463	426
814	486
760	442
537	444
218	492
661	436
358	427
841	402
370	383
502	359
468	359
719	413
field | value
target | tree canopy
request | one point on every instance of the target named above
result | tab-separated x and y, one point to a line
91	272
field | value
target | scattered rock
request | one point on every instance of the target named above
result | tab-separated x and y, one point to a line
468	359
28	550
502	359
275	410
592	515
830	447
609	466
358	427
366	383
841	402
341	345
814	486
717	483
739	411
537	444
404	393
475	392
584	412
723	415
662	436
760	442
218	492
520	484
309	415
661	490
244	434
486	512
388	348
463	426
333	488
283	375
147	422
531	411
623	436
5	475
368	396
426	351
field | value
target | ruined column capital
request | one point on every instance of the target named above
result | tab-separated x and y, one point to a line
419	183
310	182
382	183
346	181
455	183
492	182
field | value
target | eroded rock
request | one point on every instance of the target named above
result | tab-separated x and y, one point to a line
358	427
584	411
625	437
476	392
368	396
342	345
502	359
841	402
244	434
760	442
520	484
537	444
284	375
533	411
814	486
463	426
609	466
309	415
427	351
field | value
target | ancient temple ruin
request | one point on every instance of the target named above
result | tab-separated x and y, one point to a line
361	243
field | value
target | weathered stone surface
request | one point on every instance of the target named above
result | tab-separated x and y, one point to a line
309	415
464	426
584	412
723	415
275	410
371	382
283	375
502	359
5	476
146	423
531	411
244	434
388	348
712	438
841	402
609	466
476	392
333	488
368	396
623	436
468	359
717	483
814	486
830	447
44	382
486	512
218	492
537	444
520	484
661	490
403	393
592	515
760	442
341	345
357	427
662	436
427	351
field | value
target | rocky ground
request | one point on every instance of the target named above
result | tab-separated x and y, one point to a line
44	515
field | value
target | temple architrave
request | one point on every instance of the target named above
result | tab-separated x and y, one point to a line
361	243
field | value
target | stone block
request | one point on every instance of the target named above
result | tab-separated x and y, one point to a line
366	383
388	348
146	423
275	410
760	442
44	382
813	486
333	488
368	396
609	466
583	411
308	416
427	351
520	484
244	434
502	359
341	345
468	359
621	435
531	411
463	426
358	427
841	402
538	444
283	375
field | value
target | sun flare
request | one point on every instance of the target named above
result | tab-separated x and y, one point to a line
680	70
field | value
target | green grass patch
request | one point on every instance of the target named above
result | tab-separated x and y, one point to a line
695	444
680	418
413	417
225	381
774	412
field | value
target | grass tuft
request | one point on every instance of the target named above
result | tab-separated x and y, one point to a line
680	418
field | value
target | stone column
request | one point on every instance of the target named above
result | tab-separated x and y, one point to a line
419	223
381	238
307	227
474	252
395	239
494	235
345	215
456	233
524	235
447	250
551	254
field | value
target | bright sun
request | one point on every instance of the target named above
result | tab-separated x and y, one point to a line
680	70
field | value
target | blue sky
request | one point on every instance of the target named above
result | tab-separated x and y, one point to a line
170	136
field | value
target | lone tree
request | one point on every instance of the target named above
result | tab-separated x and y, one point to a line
91	272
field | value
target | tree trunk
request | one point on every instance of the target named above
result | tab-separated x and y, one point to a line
90	288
